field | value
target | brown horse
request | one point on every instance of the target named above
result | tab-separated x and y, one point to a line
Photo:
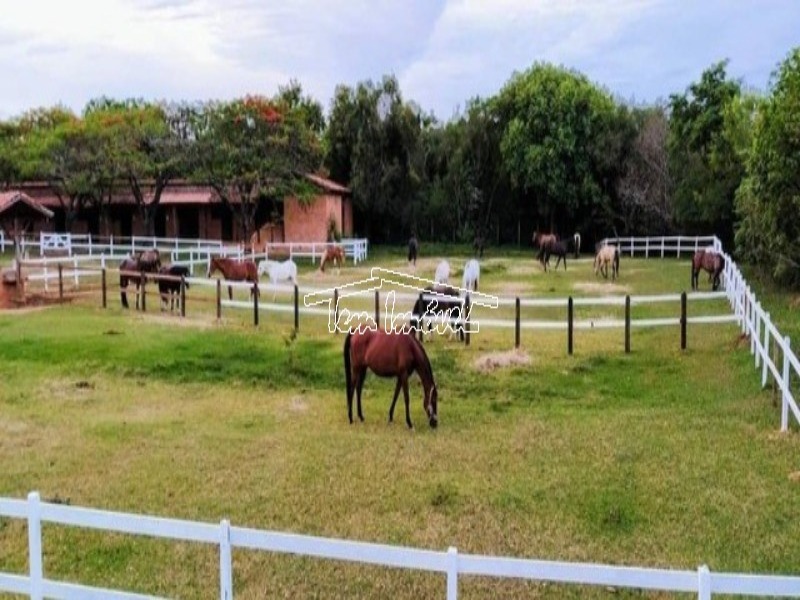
148	261
711	262
388	355
233	270
544	241
333	254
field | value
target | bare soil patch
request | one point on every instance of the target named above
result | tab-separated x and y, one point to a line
602	288
487	363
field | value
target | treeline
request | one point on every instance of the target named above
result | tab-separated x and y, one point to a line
550	151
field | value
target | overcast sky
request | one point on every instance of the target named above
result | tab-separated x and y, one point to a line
442	51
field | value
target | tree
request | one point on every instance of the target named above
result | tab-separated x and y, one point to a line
768	200
372	141
146	147
254	148
645	201
704	166
551	121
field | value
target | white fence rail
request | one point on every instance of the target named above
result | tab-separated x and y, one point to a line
663	246
451	564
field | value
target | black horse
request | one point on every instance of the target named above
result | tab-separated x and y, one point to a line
446	307
148	261
413	248
559	249
170	289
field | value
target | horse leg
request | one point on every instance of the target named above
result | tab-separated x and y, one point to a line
350	389
361	377
403	378
394	400
230	292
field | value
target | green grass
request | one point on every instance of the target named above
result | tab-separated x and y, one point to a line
660	457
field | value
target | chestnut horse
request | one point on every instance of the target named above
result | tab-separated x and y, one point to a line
148	261
333	254
233	270
711	262
543	241
388	355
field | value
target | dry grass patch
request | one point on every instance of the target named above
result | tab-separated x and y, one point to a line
601	288
487	363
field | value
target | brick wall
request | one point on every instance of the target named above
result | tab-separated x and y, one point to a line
310	223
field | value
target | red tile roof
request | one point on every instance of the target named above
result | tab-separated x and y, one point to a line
13	197
327	184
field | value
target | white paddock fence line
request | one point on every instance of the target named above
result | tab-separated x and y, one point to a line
451	563
663	246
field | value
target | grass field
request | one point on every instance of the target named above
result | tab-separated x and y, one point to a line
657	458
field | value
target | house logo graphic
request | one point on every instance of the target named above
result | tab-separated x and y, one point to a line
448	312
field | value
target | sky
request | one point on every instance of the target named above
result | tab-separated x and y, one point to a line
443	52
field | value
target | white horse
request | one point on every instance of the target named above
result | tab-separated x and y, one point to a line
278	271
472	272
442	272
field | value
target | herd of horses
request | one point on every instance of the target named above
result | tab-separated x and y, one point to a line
390	354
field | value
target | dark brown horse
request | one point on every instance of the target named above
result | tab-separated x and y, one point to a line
148	261
709	261
388	355
334	254
543	241
233	270
170	289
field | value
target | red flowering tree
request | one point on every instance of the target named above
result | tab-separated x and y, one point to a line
254	148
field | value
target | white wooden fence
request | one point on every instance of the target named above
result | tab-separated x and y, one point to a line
451	564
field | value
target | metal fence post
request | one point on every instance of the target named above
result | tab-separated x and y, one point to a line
683	320
516	331
452	573
103	277
570	314
627	324
785	385
35	545
764	363
255	304
225	562
296	308
703	583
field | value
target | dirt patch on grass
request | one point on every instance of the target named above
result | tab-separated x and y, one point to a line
502	360
177	321
795	476
795	302
601	288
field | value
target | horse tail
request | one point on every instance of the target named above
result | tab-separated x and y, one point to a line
348	376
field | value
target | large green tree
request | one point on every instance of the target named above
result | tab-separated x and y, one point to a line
254	148
704	166
556	143
768	201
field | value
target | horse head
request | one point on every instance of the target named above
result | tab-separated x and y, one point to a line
431	406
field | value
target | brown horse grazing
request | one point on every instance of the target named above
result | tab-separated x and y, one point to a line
233	270
710	261
333	254
388	355
148	261
543	241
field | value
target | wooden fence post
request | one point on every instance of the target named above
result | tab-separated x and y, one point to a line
570	314
336	310
683	320
296	308
465	320
142	283
785	385
183	296
60	283
627	324
377	308
516	332
219	300
35	545
103	278
255	304
419	318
